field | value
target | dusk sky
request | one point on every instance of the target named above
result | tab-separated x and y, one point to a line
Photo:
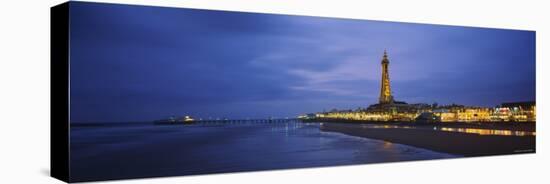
137	63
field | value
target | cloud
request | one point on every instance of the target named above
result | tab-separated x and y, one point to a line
143	63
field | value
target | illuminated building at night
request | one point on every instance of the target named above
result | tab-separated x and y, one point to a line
386	101
388	109
385	90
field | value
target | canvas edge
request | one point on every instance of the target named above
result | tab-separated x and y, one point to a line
59	92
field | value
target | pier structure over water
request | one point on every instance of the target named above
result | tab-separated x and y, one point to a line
227	121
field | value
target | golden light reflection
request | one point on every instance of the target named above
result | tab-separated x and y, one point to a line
488	131
385	126
387	145
478	131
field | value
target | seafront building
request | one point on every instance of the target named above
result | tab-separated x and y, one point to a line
388	109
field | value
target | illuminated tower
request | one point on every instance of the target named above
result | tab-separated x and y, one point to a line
385	90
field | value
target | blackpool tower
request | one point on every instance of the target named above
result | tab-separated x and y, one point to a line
385	90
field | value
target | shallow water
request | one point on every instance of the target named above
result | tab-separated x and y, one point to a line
478	131
130	151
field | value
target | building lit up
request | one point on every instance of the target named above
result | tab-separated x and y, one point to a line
388	109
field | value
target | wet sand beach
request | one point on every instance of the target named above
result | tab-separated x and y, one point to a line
459	139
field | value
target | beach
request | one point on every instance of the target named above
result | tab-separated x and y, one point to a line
446	137
125	150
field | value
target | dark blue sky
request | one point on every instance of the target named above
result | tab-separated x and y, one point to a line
135	63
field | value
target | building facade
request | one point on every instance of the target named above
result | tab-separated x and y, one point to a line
389	109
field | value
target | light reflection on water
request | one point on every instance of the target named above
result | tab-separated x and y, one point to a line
487	131
478	131
136	151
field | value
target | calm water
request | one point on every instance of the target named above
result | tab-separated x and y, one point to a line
118	152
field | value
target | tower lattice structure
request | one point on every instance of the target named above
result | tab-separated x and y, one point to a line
385	90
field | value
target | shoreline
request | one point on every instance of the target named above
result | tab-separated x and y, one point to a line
462	144
521	126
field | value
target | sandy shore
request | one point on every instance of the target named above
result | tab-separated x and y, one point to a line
464	144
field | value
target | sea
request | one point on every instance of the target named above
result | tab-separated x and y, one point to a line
137	150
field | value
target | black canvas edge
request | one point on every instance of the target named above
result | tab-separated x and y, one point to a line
59	92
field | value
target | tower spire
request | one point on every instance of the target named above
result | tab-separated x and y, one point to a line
385	90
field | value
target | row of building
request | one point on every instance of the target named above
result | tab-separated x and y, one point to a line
506	112
389	109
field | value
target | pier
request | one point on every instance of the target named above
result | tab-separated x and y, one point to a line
228	121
